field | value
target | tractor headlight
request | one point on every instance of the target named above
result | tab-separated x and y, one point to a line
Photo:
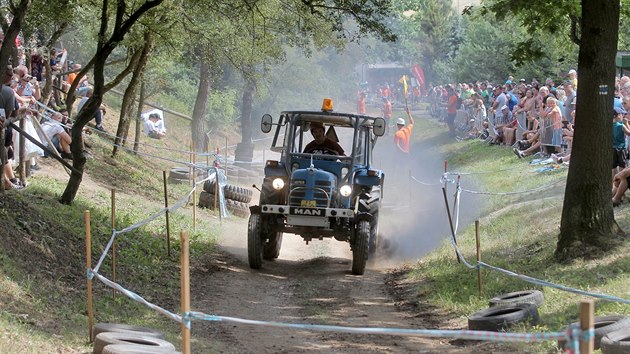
278	184
345	190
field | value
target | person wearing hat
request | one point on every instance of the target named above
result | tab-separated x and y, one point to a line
153	128
321	144
573	78
403	133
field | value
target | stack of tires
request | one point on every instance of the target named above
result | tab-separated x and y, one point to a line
236	198
182	175
114	338
612	334
507	310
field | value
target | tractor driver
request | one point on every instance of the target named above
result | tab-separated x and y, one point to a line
321	143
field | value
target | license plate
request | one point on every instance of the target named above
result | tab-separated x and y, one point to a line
308	203
307	211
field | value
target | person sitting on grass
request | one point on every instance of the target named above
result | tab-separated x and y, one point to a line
504	120
153	126
56	133
620	185
531	144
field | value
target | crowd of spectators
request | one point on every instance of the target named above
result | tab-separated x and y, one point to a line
532	118
22	99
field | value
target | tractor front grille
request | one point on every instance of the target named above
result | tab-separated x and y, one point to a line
320	194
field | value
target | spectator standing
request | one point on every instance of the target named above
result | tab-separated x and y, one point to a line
361	103
552	116
386	111
621	128
8	108
451	109
569	107
402	135
573	78
98	116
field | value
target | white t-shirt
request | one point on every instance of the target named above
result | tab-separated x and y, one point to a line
157	127
51	129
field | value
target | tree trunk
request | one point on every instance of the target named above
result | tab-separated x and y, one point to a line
8	51
129	98
245	149
139	120
587	216
197	126
104	49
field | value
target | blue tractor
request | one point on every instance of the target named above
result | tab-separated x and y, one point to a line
319	194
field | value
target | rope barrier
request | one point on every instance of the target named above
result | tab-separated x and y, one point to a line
531	279
458	334
539	189
136	297
556	286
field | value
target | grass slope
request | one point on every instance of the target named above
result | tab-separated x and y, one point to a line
518	233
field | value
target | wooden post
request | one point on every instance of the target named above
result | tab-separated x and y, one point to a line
479	279
587	321
194	185
191	170
3	160
22	152
88	265
185	289
226	155
208	159
168	226
450	220
114	243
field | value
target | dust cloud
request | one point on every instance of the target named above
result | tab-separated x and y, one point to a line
413	218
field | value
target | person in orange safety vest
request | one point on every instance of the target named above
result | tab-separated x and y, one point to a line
402	135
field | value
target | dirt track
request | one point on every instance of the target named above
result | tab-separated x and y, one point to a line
305	287
318	290
313	283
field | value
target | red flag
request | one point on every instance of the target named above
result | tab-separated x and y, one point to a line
417	72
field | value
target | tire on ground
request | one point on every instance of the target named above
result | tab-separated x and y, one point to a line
271	249
182	173
125	328
209	186
230	191
238	193
361	247
254	241
136	349
531	296
207	200
106	338
603	325
616	342
502	317
179	180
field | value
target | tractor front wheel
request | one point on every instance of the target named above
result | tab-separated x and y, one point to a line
254	241
361	247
